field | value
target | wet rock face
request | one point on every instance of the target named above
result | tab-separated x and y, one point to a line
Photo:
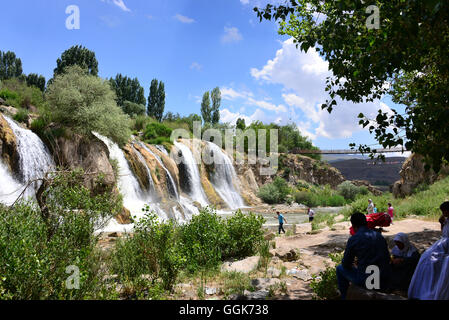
8	146
137	167
184	179
90	154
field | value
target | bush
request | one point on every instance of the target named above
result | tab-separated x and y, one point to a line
350	191
133	109
86	103
151	251
324	285
155	130
21	116
275	192
244	235
19	95
203	241
307	198
37	244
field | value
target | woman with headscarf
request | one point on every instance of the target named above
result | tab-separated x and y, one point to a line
431	278
404	261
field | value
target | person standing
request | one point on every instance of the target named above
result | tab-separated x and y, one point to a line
281	221
390	211
311	214
370	208
375	208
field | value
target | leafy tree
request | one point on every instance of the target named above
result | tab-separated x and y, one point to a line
409	51
240	124
206	109
77	55
36	80
86	103
152	98
160	101
128	89
216	101
10	66
133	109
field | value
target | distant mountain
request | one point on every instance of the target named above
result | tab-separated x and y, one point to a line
341	157
377	172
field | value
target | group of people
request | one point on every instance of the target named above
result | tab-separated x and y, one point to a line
282	219
424	277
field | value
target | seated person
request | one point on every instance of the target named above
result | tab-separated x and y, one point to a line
403	264
431	278
370	248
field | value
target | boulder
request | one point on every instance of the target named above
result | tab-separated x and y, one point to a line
270	236
92	155
245	266
264	283
286	255
300	274
273	272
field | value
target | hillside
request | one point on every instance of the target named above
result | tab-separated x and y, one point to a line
377	172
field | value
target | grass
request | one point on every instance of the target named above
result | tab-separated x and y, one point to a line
425	203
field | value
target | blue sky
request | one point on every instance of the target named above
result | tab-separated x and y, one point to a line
193	46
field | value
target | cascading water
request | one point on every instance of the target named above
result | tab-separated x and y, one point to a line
133	197
10	189
35	159
152	189
224	176
196	191
171	185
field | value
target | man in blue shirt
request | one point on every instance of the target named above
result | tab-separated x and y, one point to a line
371	249
281	221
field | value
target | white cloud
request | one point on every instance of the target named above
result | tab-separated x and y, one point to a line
248	97
183	19
231	35
303	76
118	3
231	94
244	1
196	66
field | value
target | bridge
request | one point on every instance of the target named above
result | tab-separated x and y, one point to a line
342	151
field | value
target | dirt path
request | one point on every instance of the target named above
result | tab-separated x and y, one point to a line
314	248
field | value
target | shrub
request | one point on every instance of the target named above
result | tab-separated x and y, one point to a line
155	130
37	244
307	198
244	235
21	116
202	241
324	285
86	103
151	251
275	192
19	95
133	109
348	190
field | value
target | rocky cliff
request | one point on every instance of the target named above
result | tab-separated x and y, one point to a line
413	173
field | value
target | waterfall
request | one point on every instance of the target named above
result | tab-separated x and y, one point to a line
152	189
171	185
196	191
10	189
35	159
224	176
133	197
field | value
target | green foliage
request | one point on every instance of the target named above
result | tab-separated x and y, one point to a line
16	93
127	89
216	102
133	109
236	283
324	285
206	109
314	196
151	251
157	133
21	116
36	245
202	241
10	66
240	124
36	80
275	192
77	55
86	103
413	65
245	234
350	191
156	100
